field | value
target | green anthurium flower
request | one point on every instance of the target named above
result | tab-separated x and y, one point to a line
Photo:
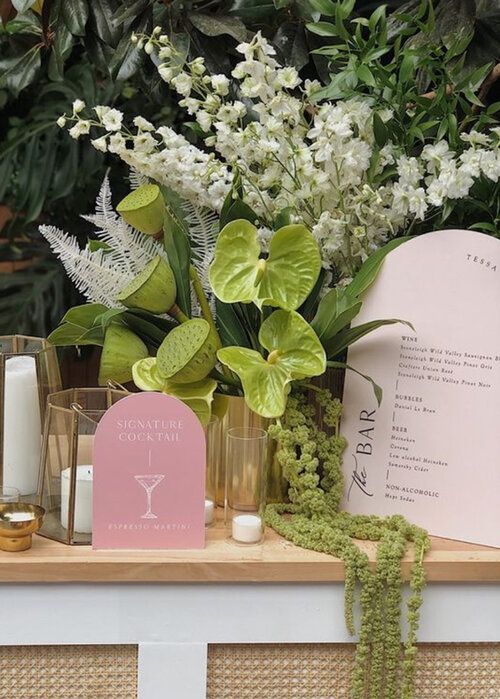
284	279
197	395
295	352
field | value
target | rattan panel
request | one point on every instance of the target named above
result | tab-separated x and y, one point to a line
322	671
68	672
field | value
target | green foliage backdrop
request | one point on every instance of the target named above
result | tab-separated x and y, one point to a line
52	52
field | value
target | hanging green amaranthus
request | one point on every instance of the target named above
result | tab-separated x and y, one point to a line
312	463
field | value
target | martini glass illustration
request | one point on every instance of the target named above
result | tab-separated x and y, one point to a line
149	483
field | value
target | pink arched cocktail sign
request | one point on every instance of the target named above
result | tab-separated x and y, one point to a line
149	475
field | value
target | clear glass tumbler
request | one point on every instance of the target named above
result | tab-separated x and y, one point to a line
245	492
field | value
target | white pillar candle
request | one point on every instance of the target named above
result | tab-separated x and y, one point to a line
209	512
247	529
83	499
22	425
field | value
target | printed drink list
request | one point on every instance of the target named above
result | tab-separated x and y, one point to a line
431	450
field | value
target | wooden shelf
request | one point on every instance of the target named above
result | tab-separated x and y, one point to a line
276	560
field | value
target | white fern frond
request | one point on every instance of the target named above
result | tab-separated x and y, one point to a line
202	226
136	178
136	248
99	275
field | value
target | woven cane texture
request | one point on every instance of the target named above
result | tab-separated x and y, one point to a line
68	672
322	671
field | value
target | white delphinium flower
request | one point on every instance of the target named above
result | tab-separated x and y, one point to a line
78	106
112	120
436	155
183	84
81	128
490	164
287	77
143	124
220	84
476	138
410	171
100	144
166	72
61	122
101	110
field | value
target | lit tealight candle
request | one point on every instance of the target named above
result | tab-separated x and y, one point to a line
83	499
209	512
247	529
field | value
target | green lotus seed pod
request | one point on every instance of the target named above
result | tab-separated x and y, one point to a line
152	290
188	353
122	349
144	209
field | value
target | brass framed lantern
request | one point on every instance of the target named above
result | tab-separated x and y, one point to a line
66	466
29	371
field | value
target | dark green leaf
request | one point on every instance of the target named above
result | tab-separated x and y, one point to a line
367	77
84	315
68	334
335	311
149	332
106	26
215	25
231	330
283	218
407	68
61	49
322	28
75	14
326	7
176	243
291	44
379	130
18	72
371	267
253	11
345	338
22	5
376	388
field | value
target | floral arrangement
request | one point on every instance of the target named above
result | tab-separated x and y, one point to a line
331	166
237	267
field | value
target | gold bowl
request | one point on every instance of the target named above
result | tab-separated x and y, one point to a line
18	521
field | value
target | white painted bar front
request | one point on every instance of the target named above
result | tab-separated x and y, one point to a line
173	623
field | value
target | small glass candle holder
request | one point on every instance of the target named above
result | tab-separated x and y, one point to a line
213	446
29	371
66	466
245	491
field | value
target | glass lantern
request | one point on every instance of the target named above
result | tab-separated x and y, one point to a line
29	371
245	496
66	465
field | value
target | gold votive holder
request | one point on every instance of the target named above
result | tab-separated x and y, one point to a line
18	522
